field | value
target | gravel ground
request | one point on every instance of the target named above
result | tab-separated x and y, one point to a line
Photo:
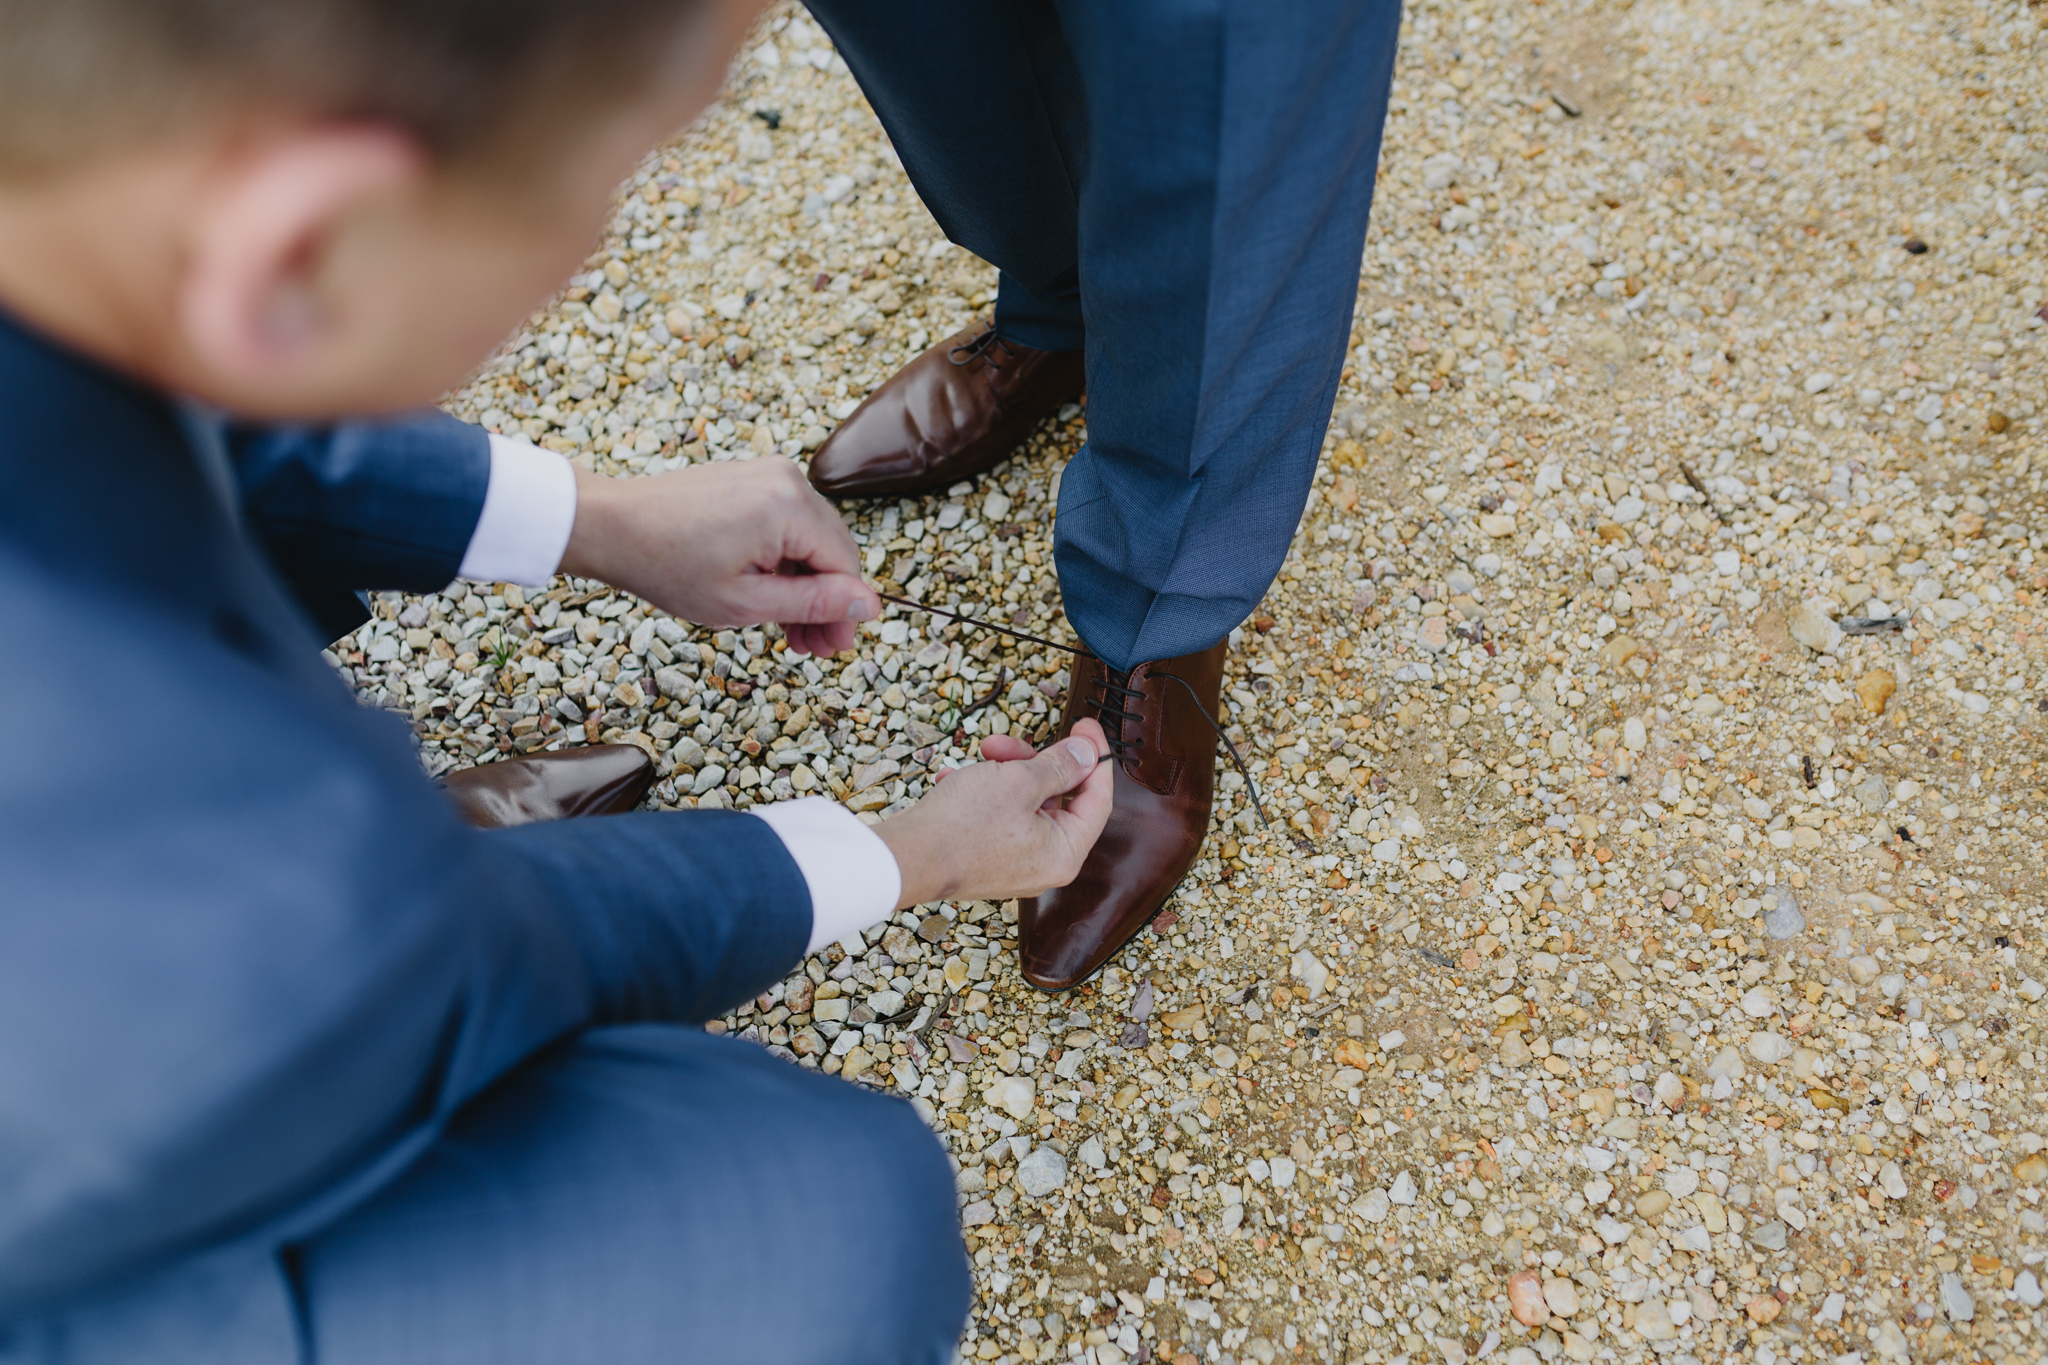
1649	964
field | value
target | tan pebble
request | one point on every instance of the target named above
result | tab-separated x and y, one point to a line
1876	688
1562	1296
1653	1321
1351	1052
2031	1170
1619	650
1763	1308
1513	1051
1812	625
1525	1298
1654	1204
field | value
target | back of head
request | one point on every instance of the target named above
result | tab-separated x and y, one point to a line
472	79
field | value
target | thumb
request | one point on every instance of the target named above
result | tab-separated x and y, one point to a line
1064	766
815	599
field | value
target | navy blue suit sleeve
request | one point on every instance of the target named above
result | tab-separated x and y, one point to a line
250	963
383	504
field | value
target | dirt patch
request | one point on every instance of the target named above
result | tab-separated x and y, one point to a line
1582	65
1602	358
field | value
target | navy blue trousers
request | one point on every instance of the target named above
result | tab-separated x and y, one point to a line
653	1194
643	1195
1180	186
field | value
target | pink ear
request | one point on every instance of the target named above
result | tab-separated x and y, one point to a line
249	302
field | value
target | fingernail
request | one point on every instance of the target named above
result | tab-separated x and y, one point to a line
1083	752
858	610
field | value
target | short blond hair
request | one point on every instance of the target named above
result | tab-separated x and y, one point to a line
81	78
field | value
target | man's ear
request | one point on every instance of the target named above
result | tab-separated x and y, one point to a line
250	300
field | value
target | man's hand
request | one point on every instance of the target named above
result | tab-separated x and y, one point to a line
726	545
1012	826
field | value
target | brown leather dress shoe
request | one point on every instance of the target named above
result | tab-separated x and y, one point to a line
954	412
1164	749
604	779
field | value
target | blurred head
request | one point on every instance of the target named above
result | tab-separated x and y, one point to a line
316	208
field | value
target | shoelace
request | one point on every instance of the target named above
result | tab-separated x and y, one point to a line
981	346
1118	748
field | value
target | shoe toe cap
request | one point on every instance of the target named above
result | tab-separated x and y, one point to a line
854	463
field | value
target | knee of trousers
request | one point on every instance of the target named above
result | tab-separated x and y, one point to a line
902	1217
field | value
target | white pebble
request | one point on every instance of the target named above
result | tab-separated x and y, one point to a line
1769	1048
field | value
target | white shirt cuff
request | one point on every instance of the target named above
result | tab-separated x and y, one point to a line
852	875
529	510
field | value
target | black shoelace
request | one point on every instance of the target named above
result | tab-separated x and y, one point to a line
1117	682
984	346
1120	749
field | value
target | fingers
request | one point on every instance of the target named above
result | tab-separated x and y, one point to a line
989	830
1086	809
1090	729
812	533
1067	764
1005	749
801	562
833	601
819	640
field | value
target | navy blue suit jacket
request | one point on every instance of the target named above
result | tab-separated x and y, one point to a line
249	961
374	505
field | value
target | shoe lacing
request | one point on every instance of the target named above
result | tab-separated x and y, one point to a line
1115	681
1123	750
1112	681
983	347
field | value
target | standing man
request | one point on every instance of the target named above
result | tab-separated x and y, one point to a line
1176	193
